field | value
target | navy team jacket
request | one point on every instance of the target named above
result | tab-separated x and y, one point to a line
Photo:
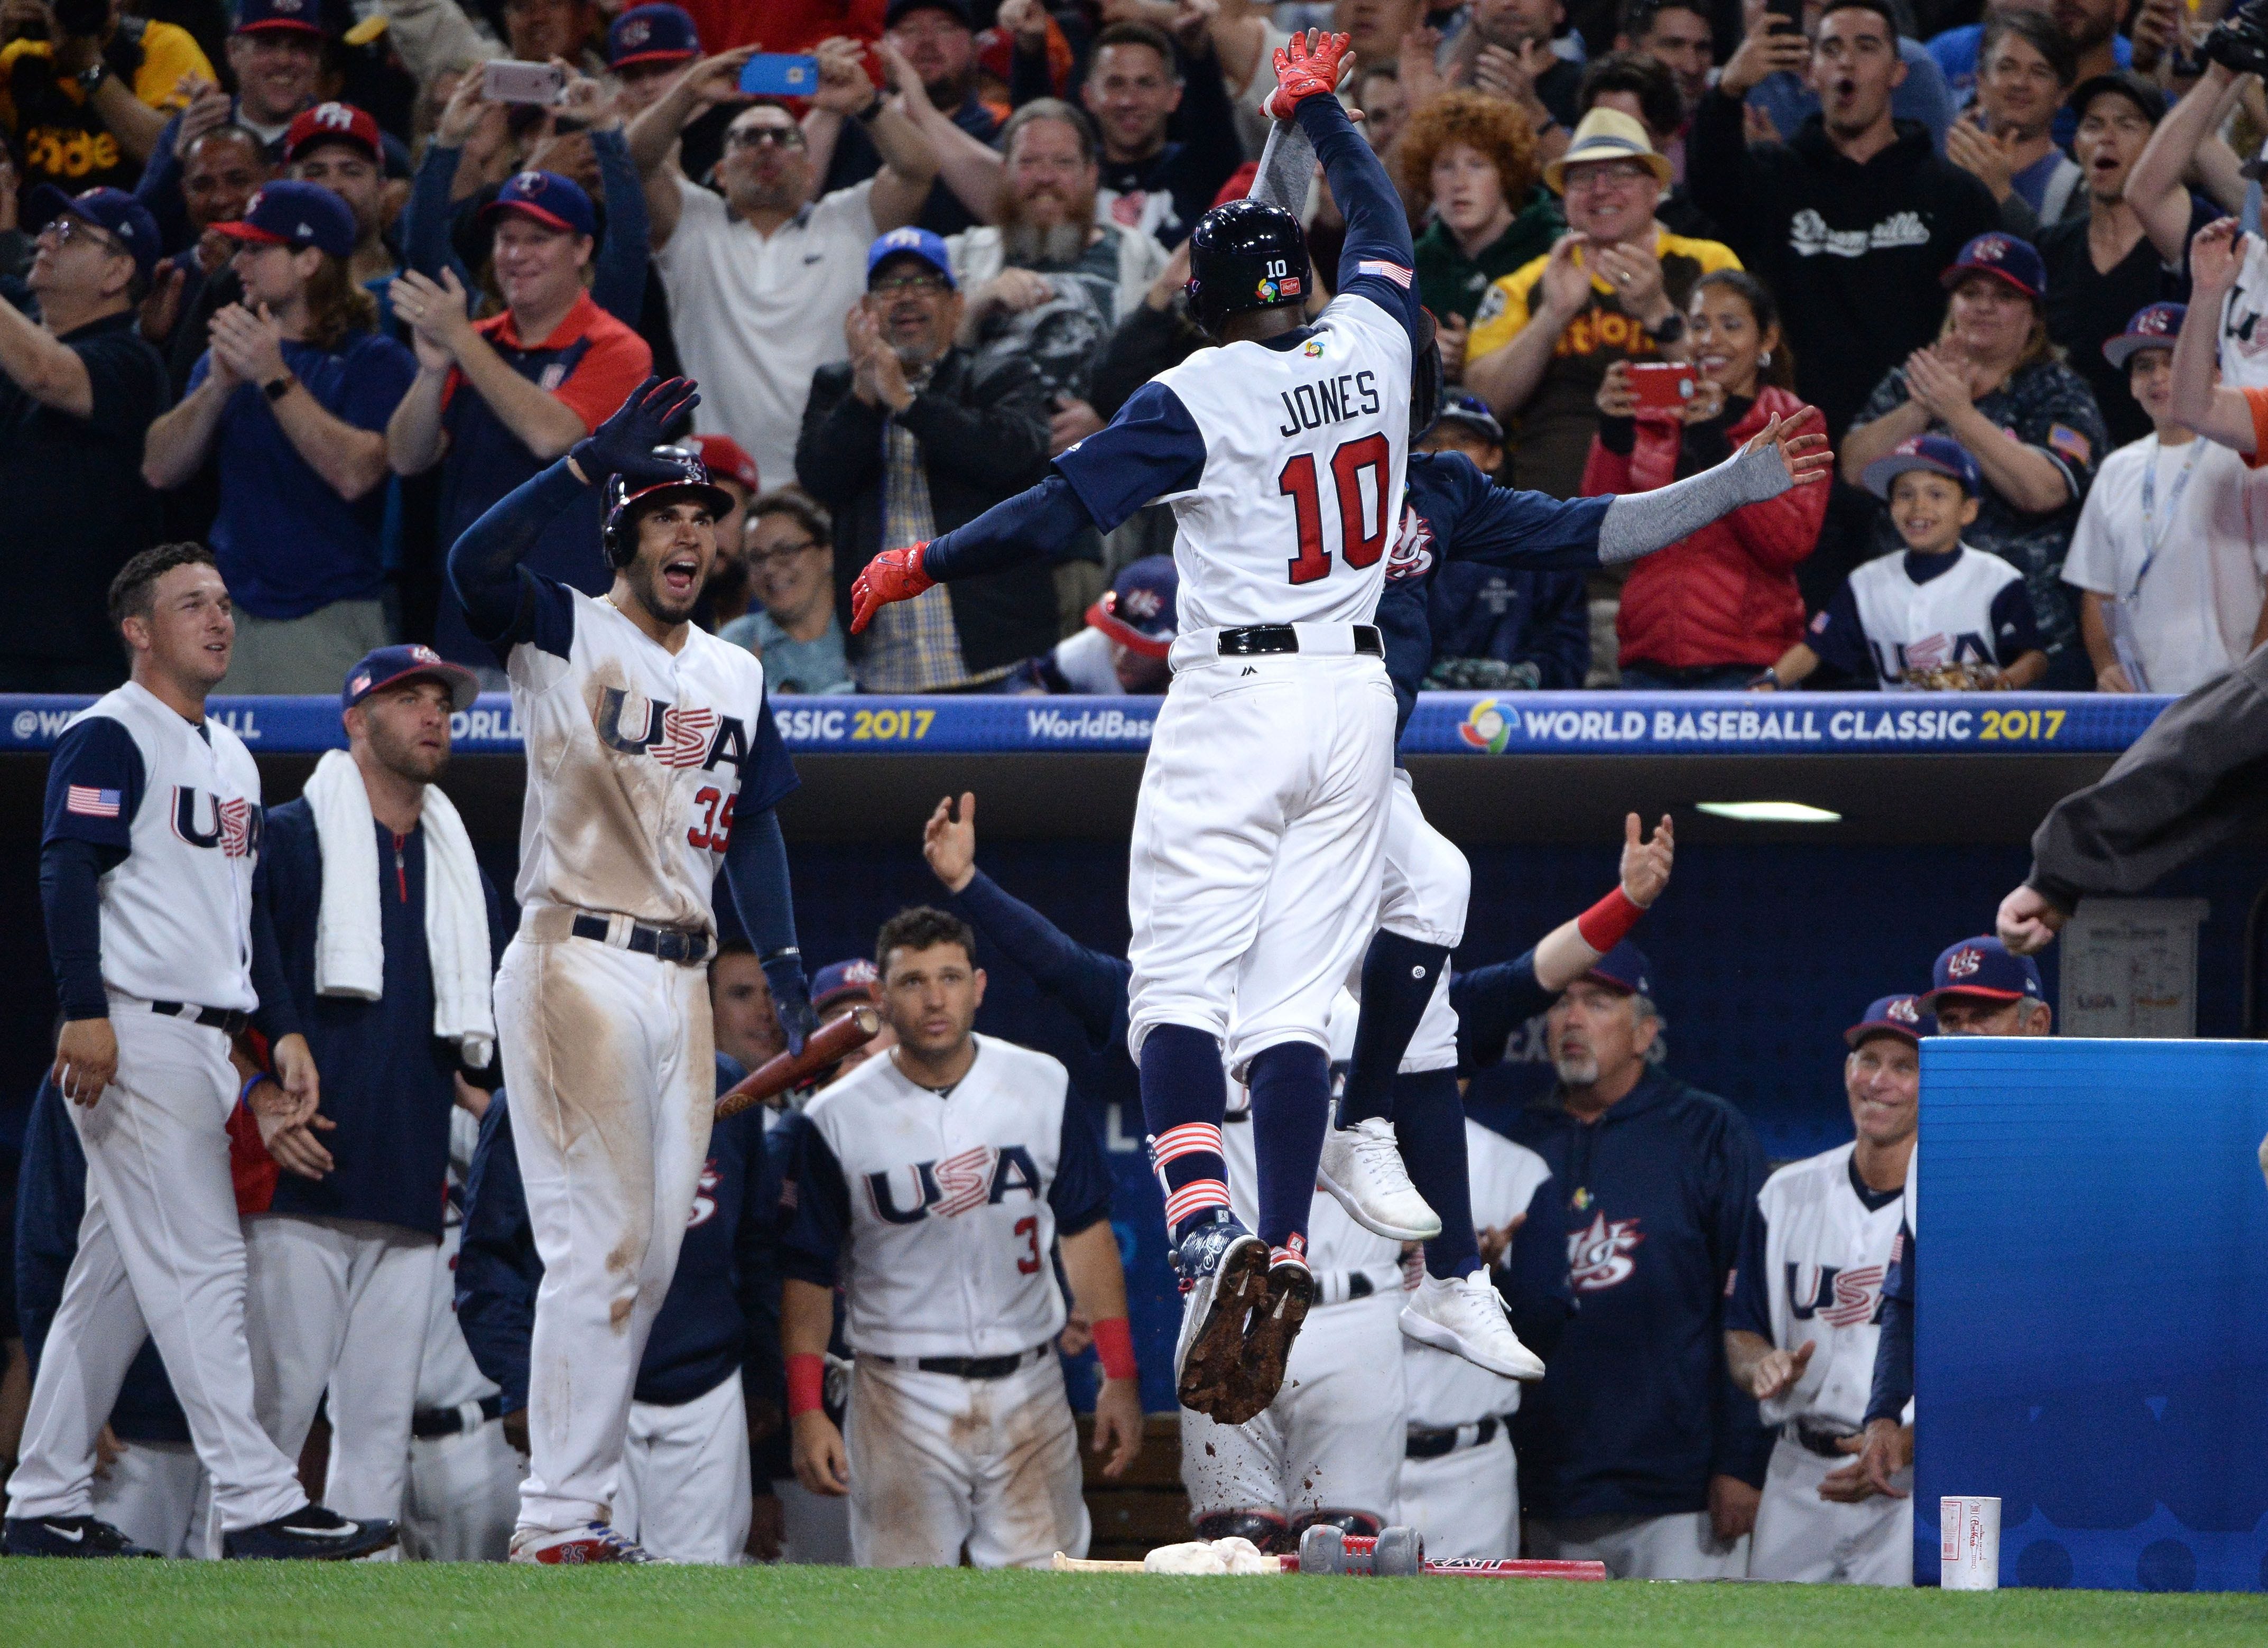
722	1310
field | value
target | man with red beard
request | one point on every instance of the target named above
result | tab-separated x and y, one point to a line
1050	282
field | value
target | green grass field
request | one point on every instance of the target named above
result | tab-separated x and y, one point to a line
95	1605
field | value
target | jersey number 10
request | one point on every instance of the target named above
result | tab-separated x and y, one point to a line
1360	545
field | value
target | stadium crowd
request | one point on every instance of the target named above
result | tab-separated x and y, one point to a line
317	283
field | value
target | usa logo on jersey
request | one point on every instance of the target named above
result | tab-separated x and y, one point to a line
981	1176
1599	1258
678	737
1412	555
1841	1298
202	820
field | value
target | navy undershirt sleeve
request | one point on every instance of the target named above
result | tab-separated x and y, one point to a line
1491	1003
1527	532
2015	627
756	870
95	784
1894	1348
503	604
1080	1191
1152	450
814	1204
1090	983
1378	226
1749	1309
69	872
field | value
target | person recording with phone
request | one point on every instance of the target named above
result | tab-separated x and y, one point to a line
1712	609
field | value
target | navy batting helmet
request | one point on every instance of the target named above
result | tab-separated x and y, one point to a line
1245	254
625	504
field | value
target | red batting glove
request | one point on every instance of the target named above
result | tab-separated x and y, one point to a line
1301	74
894	575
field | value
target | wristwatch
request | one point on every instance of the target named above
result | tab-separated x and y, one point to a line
277	388
92	76
1670	331
872	112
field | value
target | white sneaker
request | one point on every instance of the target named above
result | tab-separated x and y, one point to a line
1362	1167
1466	1318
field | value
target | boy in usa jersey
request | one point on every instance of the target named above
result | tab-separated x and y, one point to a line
1806	1312
652	762
1259	835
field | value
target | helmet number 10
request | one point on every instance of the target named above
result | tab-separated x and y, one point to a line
1361	542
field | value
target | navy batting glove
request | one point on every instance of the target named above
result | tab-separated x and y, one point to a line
624	444
792	1000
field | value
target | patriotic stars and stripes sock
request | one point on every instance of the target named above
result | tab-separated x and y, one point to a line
1184	1095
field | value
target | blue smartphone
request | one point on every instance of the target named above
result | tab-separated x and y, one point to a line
777	74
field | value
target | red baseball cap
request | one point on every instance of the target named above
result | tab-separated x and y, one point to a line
333	123
300	16
728	461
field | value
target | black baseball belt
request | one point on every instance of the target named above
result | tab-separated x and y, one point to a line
961	1367
227	1020
1823	1440
427	1423
1254	640
1430	1444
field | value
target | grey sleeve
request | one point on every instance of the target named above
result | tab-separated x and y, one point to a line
1288	166
1640	523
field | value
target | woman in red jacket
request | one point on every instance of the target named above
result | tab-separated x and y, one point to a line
1712	609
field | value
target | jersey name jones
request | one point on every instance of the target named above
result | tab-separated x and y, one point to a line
1330	401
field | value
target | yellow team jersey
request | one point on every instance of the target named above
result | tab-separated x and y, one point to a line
63	140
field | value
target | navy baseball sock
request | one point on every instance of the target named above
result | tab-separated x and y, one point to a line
1429	1126
1184	1095
1290	1085
1398	979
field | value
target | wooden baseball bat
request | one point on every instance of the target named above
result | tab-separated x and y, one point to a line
783	1070
1453	1567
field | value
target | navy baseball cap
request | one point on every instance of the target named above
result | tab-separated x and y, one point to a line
652	33
391	665
1473	413
547	198
1136	611
290	213
1624	968
253	16
2154	325
910	243
844	981
2144	96
2004	257
1983	967
1891	1015
1939	454
957	10
114	211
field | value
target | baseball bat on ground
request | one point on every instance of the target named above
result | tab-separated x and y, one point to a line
1452	1568
775	1075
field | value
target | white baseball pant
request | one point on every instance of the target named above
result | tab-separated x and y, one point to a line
462	1491
1259	837
1801	1536
1680	1547
1465	1502
684	1493
340	1305
1425	887
158	1495
160	1256
937	1461
609	1061
1332	1440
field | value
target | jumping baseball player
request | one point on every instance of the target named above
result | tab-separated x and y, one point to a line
652	761
147	856
937	1183
1806	1312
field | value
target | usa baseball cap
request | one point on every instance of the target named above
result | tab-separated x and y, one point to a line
2004	257
334	123
910	242
1891	1015
1624	968
1473	413
1983	967
652	33
547	198
253	16
1136	611
290	213
844	981
1939	454
114	211
2153	325
391	665
728	461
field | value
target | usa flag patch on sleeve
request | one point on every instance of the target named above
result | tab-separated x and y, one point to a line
1393	272
88	802
2068	441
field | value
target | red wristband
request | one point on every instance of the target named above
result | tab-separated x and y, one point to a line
806	1379
1608	923
1114	1344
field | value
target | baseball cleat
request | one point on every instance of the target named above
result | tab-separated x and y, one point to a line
68	1537
311	1534
1465	1317
1290	1289
592	1542
1223	1271
1362	1168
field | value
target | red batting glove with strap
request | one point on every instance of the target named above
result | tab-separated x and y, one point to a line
894	575
1301	74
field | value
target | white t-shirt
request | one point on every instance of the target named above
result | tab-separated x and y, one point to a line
2193	614
756	317
2244	322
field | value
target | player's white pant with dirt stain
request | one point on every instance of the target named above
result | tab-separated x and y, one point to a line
1332	1440
1677	1547
161	1256
157	1494
1422	895
1465	1502
1259	838
608	1058
937	1461
684	1493
339	1305
1801	1536
462	1492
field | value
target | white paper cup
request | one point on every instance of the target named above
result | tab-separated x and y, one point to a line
1970	1549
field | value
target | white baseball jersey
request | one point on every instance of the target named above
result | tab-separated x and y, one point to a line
2244	321
938	1214
636	759
184	802
1825	1254
1445	1389
1948	620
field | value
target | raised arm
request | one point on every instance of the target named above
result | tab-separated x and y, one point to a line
2199	402
1378	257
2155	187
652	137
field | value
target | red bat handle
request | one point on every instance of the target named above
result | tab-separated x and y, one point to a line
775	1075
